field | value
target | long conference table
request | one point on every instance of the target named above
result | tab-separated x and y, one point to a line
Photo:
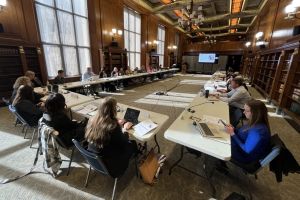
184	132
78	84
77	102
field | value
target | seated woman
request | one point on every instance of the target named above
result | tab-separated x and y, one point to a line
106	138
25	107
56	117
251	143
103	74
24	80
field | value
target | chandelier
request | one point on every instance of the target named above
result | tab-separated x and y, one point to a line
190	17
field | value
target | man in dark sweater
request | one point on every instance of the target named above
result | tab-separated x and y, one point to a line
60	78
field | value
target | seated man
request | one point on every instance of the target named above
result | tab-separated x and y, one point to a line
35	82
236	99
115	72
88	74
60	78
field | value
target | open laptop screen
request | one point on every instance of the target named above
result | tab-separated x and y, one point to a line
132	115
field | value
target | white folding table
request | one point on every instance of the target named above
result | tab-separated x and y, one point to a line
157	118
184	132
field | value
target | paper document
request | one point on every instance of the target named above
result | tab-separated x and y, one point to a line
212	120
93	113
144	127
87	109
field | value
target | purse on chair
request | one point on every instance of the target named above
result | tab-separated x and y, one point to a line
148	167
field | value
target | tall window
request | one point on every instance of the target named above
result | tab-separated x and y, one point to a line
132	37
161	44
64	32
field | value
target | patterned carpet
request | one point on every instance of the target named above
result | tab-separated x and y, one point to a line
16	158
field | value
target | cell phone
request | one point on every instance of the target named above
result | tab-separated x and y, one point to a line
220	120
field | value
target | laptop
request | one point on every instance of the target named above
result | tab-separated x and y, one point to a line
205	131
132	115
94	78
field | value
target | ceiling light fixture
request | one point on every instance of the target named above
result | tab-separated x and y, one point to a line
190	18
291	10
247	44
2	4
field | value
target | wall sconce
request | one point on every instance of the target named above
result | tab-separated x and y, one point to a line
291	10
2	4
114	33
152	44
247	44
259	35
172	47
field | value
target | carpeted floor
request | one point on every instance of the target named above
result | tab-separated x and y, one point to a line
16	158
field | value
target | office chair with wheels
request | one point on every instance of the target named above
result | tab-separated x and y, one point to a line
96	163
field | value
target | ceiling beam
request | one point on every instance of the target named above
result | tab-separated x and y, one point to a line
219	28
249	13
219	34
178	5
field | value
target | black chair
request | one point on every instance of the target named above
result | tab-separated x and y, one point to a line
64	146
96	163
25	125
255	167
243	118
6	101
17	121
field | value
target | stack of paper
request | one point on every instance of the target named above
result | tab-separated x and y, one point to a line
87	109
144	127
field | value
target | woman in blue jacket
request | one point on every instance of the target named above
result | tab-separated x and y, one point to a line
251	143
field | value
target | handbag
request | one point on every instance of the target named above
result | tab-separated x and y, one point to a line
148	167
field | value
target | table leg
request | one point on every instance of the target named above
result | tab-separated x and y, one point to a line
209	175
70	112
157	145
178	161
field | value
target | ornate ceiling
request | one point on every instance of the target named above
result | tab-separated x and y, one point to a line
209	19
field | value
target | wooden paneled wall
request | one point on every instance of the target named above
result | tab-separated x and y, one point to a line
271	21
226	46
20	25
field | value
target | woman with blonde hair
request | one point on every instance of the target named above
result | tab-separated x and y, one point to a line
25	107
24	80
107	138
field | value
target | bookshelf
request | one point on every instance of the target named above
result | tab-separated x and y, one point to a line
154	61
10	68
114	57
265	72
32	61
290	101
249	67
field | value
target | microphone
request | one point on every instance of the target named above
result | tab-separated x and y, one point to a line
192	111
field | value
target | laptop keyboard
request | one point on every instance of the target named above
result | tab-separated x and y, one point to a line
206	129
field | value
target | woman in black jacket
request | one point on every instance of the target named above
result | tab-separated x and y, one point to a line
56	117
106	137
23	103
